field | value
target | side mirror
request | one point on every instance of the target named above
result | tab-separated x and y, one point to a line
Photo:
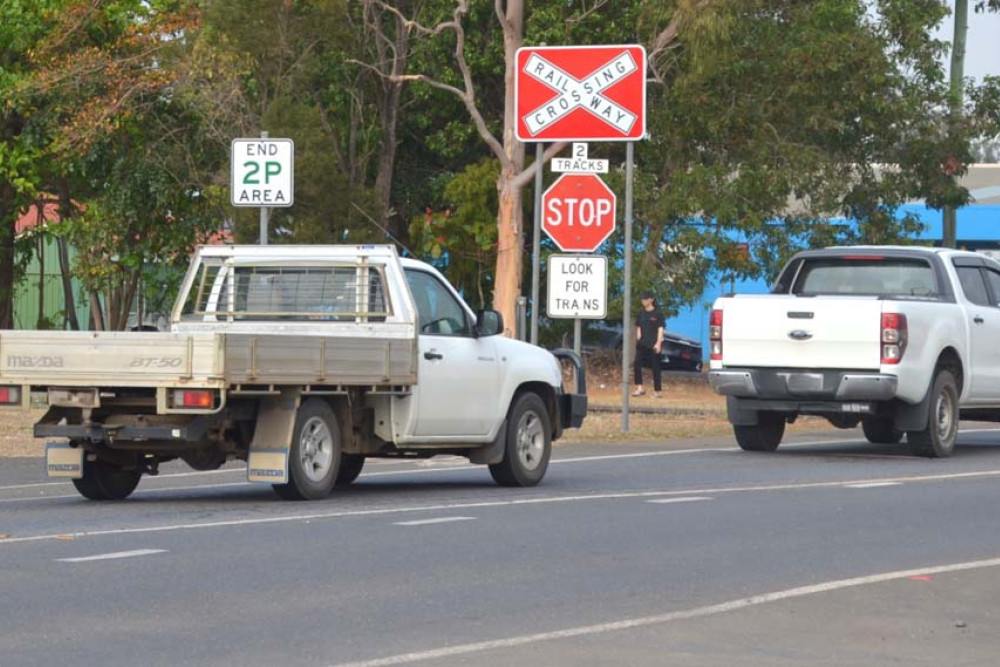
488	323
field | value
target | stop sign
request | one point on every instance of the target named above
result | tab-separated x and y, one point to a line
578	212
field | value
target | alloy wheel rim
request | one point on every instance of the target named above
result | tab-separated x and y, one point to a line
530	441
316	449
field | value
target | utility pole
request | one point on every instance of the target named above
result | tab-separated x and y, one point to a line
949	226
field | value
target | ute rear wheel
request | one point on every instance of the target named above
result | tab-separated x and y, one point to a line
528	445
938	438
105	481
314	458
765	436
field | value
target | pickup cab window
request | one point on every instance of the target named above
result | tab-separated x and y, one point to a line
439	312
863	275
973	286
993	278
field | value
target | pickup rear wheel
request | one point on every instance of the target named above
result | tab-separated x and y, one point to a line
104	481
314	458
528	446
938	439
765	436
881	431
350	468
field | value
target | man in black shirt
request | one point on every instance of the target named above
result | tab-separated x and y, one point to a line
648	340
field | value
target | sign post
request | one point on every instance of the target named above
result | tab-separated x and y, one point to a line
262	174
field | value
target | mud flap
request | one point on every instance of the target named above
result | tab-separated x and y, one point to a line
494	452
267	460
63	460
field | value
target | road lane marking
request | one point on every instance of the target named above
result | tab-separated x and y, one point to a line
113	556
686	499
871	485
659	619
450	467
544	500
427	522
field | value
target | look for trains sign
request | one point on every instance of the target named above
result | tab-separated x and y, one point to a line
580	93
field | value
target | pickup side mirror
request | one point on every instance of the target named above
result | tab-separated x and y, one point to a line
488	323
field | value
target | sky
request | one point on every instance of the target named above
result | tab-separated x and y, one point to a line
982	44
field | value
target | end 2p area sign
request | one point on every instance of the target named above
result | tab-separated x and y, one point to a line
263	172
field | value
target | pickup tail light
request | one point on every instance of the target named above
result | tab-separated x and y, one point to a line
894	334
10	395
715	335
203	399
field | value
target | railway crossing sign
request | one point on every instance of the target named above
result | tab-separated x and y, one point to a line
578	212
580	93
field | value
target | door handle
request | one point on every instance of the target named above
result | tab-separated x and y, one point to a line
977	319
433	355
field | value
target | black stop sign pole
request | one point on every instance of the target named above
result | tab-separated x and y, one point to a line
536	243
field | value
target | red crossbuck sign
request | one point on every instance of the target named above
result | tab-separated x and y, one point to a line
578	212
580	93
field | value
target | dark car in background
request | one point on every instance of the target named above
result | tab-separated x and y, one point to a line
678	353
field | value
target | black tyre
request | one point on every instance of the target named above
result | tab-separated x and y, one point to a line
104	481
765	436
938	439
314	458
528	446
350	468
881	431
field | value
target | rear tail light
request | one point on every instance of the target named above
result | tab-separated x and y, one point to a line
10	395
194	398
893	337
715	335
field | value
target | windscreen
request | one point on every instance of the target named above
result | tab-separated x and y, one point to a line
870	276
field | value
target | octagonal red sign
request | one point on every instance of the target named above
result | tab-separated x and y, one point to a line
580	93
578	212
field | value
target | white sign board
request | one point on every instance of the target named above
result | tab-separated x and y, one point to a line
579	164
578	286
263	172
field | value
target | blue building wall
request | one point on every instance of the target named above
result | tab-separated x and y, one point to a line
978	228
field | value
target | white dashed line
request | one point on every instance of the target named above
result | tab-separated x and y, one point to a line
688	499
113	556
427	522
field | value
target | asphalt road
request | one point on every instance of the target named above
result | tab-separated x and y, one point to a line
828	552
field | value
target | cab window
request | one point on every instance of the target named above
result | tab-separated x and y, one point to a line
439	312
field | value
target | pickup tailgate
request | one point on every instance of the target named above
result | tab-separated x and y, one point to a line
110	358
784	331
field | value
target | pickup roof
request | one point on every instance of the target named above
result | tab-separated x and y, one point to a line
303	361
898	339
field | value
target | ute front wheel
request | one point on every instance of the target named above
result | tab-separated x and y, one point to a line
528	445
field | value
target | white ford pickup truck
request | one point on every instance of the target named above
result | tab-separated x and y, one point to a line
898	339
302	361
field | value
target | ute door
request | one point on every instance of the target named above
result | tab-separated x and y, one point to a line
457	372
981	287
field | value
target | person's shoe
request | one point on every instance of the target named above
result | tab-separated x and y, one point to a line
656	394
639	392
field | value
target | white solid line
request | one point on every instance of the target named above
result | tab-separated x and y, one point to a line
687	499
427	522
113	556
623	495
627	624
871	485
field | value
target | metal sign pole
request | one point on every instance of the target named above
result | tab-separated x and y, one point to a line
265	212
627	290
536	243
